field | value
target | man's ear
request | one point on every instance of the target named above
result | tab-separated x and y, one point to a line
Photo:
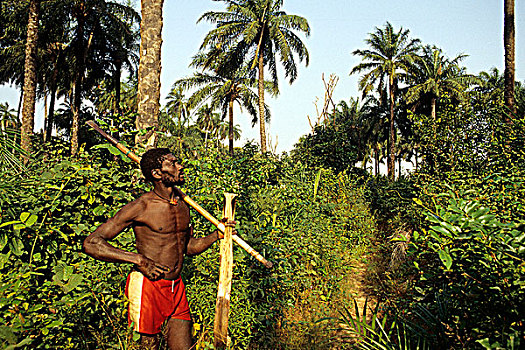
156	174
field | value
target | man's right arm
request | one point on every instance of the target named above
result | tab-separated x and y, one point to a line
96	244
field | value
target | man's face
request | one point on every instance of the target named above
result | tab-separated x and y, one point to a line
172	173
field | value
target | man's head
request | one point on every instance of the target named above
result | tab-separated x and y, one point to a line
158	164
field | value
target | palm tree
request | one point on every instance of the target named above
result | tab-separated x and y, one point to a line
432	74
207	121
509	43
350	115
388	58
94	22
221	92
177	106
490	86
375	128
258	30
30	80
149	69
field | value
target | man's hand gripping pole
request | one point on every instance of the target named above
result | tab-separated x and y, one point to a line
185	197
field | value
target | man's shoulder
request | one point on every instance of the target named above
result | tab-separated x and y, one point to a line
140	203
144	199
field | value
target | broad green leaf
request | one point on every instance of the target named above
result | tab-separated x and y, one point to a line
73	282
21	344
59	273
485	343
4	258
99	210
28	219
442	230
9	223
17	246
445	258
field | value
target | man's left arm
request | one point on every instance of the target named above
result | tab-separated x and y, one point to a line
196	246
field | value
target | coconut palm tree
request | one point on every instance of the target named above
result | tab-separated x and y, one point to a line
221	92
374	129
490	86
259	30
177	107
30	79
385	63
433	74
207	121
509	38
149	69
94	23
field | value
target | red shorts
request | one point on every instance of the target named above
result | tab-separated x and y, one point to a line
152	302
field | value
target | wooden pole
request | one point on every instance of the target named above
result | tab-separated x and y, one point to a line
222	307
186	198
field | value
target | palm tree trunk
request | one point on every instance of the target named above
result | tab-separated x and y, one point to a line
53	92
77	101
391	140
29	89
51	112
230	126
81	54
509	43
433	108
376	161
116	80
262	119
149	70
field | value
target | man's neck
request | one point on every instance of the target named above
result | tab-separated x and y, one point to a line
165	191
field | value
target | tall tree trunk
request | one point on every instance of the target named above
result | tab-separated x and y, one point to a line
433	101
77	101
230	126
81	53
29	89
416	155
509	43
376	161
51	112
391	139
262	119
116	80
53	92
149	70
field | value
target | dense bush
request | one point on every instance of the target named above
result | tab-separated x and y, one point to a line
54	296
470	268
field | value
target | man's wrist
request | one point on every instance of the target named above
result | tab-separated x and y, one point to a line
139	260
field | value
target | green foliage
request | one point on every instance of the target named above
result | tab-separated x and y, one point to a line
473	261
47	284
54	296
328	146
378	332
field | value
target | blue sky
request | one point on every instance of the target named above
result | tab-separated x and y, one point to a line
472	27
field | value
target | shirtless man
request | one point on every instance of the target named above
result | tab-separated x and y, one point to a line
161	222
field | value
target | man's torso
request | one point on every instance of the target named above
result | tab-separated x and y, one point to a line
162	232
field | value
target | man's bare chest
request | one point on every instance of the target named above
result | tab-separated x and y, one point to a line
164	217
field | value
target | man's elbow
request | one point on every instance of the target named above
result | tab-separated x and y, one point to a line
88	247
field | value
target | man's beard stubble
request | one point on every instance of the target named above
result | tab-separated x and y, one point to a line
169	180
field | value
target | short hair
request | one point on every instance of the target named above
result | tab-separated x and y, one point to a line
152	159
